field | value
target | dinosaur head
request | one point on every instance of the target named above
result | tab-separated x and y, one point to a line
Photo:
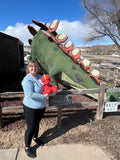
47	38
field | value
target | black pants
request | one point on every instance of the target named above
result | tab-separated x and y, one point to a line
32	118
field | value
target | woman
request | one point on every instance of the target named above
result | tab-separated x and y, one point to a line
34	103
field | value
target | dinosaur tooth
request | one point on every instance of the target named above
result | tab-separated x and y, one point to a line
53	26
61	37
85	64
68	46
75	54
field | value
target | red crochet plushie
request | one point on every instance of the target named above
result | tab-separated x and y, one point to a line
48	88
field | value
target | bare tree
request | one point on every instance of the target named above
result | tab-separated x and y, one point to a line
105	19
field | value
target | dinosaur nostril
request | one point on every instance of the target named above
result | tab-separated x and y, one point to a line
73	67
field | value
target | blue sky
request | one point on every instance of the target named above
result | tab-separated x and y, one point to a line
16	15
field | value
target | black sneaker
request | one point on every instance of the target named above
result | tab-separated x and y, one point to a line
30	153
38	141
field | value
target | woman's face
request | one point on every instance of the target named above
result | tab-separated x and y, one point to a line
33	69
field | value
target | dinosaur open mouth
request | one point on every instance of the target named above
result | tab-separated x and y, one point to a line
67	47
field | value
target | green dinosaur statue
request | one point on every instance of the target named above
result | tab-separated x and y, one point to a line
61	60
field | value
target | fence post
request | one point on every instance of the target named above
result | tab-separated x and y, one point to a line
108	75
115	73
100	108
0	115
59	117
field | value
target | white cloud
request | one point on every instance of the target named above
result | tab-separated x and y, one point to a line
19	31
76	31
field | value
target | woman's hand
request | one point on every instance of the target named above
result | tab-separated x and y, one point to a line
48	97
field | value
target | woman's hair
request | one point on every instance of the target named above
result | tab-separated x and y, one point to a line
30	63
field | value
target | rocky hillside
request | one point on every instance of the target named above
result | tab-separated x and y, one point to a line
101	49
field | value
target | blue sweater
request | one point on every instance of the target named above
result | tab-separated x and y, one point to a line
33	88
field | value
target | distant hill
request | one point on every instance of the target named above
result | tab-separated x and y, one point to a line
105	49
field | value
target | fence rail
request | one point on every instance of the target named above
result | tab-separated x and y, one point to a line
110	74
108	67
63	99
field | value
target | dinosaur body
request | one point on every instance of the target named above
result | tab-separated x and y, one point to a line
62	63
55	62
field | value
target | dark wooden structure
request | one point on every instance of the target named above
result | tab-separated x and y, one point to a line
11	63
11	54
